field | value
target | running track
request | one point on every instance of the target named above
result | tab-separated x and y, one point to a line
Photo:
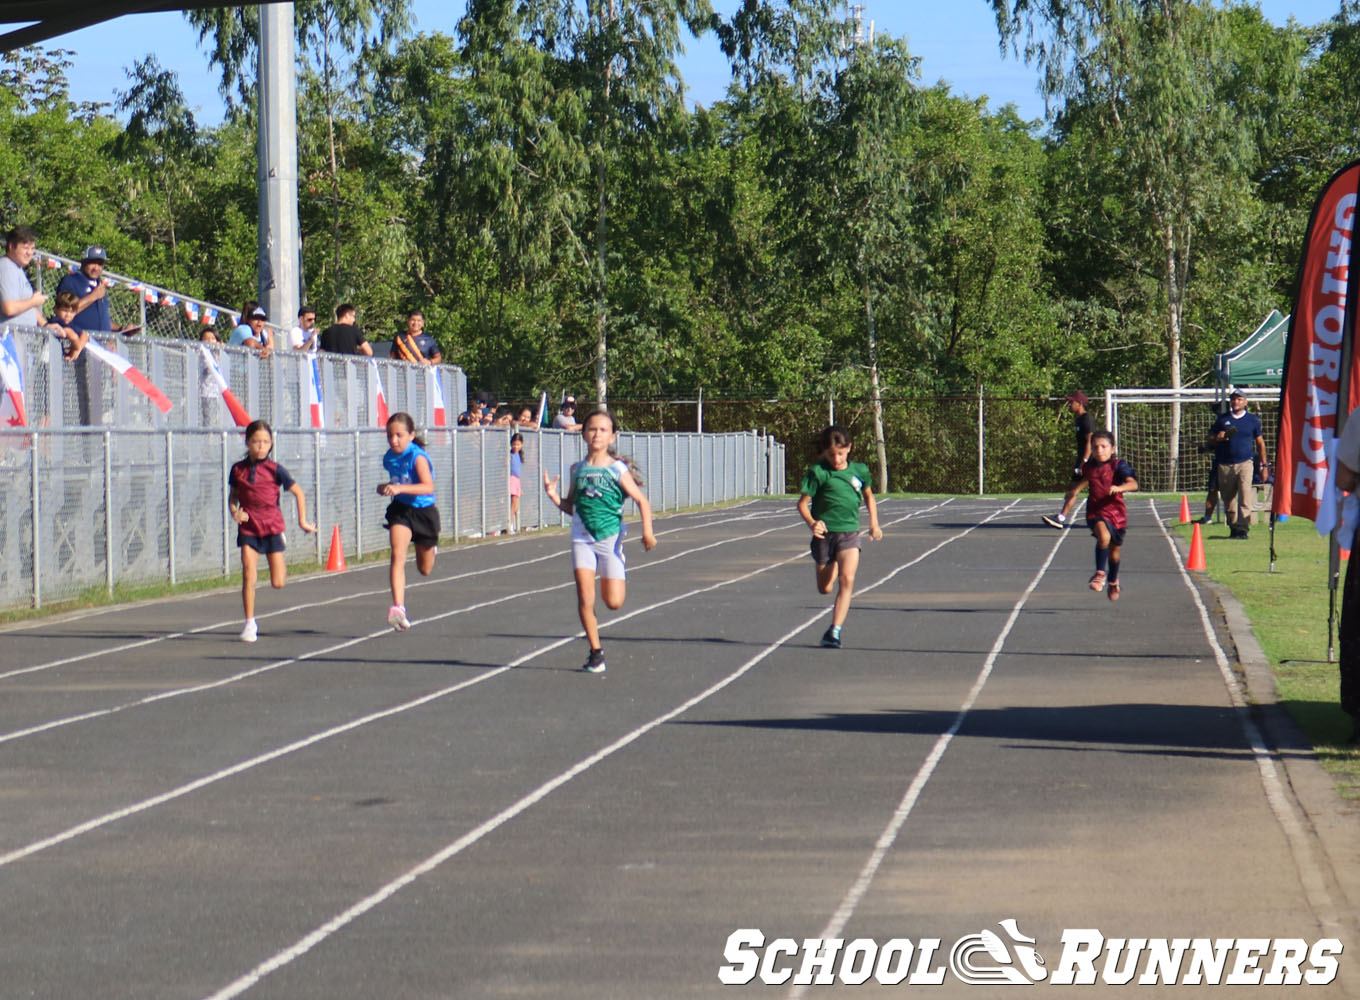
457	811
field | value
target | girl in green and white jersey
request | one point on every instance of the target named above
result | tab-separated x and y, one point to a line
599	485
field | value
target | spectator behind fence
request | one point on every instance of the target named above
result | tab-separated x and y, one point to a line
414	344
252	332
92	309
526	418
472	416
566	416
303	336
64	309
344	336
19	303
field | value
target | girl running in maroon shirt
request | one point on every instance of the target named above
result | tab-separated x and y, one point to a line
255	484
1109	477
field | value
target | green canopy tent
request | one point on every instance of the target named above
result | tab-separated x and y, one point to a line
1258	360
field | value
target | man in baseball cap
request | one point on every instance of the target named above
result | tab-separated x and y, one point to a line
1085	426
92	311
566	415
1236	436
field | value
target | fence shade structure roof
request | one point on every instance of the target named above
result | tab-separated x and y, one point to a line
45	19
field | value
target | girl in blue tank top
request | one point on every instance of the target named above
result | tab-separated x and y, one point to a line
412	517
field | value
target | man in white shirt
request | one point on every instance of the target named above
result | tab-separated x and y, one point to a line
303	336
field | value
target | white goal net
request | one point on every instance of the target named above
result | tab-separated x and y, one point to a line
1161	431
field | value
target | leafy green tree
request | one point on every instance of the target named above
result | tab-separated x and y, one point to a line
1144	86
162	138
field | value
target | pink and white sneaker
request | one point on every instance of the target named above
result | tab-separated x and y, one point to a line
396	617
1113	592
1098	581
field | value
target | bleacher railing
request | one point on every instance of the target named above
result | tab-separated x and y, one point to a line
277	388
161	312
91	509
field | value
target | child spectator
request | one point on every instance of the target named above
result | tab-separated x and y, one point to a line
65	306
516	472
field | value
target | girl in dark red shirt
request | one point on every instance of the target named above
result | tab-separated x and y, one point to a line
255	483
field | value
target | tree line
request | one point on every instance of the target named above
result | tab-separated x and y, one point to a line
539	186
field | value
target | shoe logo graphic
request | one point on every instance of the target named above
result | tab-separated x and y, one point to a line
999	966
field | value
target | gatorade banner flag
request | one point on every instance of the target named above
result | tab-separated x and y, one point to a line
379	399
312	376
211	371
12	412
1318	333
440	417
124	368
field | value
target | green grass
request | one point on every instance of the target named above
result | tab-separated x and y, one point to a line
1288	611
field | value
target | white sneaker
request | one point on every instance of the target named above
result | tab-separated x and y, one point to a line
251	632
396	617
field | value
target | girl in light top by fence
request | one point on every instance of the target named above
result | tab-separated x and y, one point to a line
599	485
256	483
412	517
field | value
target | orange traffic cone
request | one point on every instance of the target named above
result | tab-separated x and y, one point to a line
1196	560
1185	509
335	562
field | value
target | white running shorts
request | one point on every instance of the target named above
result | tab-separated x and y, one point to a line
602	556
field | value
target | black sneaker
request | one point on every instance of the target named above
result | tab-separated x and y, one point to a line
831	640
595	663
1053	522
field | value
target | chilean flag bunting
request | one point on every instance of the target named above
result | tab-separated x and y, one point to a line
124	367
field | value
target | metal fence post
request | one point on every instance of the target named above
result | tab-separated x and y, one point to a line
37	515
170	499
358	504
453	480
316	478
982	461
226	507
481	472
561	473
108	513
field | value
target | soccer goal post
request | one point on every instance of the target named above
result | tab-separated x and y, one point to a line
1161	431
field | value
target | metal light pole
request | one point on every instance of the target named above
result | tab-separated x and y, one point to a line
279	238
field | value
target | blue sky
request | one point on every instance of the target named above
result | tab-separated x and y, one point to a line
957	42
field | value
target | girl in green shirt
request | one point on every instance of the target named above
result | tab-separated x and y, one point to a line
831	494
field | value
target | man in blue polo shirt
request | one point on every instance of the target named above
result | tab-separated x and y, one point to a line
1236	437
92	312
92	317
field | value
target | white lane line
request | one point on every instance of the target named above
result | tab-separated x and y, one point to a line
246	765
337	647
353	724
923	774
1281	804
371	901
294	608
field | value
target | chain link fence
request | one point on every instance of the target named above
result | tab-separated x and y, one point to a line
84	510
934	445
